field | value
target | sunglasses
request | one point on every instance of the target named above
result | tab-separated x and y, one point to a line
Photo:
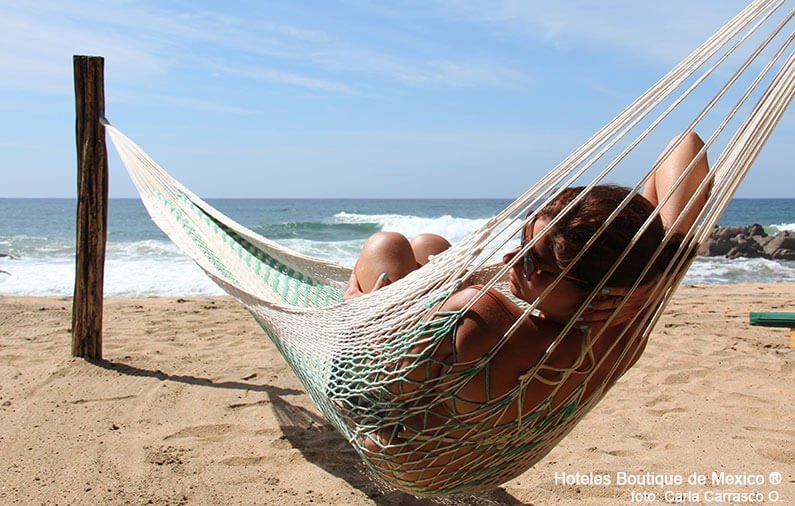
531	266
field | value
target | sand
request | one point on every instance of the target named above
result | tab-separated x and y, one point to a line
193	405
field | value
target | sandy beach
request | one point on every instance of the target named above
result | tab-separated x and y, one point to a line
193	405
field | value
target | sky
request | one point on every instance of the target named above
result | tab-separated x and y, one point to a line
349	98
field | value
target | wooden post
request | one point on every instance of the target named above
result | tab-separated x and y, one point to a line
92	206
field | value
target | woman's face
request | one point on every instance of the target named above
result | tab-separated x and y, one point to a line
564	299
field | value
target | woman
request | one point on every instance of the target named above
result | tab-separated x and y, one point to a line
578	365
389	256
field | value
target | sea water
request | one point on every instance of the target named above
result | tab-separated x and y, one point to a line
38	238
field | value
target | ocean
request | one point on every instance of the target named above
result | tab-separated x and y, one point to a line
37	239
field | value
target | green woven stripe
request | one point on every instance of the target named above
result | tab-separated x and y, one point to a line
293	288
197	239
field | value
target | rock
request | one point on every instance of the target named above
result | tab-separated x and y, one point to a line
783	254
747	248
750	242
762	240
781	246
716	247
729	232
756	230
780	241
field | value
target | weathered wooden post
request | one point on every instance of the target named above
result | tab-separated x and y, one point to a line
92	206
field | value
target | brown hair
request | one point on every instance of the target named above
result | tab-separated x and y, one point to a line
569	235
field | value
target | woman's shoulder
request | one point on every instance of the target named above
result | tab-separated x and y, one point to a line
489	316
492	311
486	302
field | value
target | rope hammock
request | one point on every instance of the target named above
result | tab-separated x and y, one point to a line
363	361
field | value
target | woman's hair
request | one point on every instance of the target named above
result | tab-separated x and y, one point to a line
570	234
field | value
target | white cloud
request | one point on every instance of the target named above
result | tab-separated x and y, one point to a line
144	42
37	54
663	32
205	105
282	77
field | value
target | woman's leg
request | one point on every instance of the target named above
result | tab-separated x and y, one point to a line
384	252
427	245
392	254
664	178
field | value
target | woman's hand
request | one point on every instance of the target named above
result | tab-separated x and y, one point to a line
605	305
353	289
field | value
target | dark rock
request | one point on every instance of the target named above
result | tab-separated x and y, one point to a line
780	241
781	246
716	247
747	248
729	232
762	240
783	254
750	242
757	230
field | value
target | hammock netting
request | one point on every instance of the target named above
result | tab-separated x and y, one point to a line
364	361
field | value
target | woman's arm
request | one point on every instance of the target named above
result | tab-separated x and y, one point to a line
664	181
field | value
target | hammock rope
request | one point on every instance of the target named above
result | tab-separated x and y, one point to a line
368	363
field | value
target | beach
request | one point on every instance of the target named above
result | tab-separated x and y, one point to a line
37	240
192	404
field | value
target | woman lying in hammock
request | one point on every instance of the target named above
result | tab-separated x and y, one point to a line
579	366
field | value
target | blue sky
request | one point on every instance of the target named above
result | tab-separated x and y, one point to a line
436	98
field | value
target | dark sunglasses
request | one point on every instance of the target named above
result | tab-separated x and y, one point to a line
530	266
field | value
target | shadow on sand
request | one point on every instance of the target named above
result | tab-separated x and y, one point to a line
318	442
324	447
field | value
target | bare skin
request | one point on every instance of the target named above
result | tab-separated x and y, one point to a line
484	324
425	246
479	331
666	176
493	314
389	256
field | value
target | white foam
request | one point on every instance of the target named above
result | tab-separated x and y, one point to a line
123	277
783	226
35	277
147	268
453	229
31	245
146	248
719	270
341	252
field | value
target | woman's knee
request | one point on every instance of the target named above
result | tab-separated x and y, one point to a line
426	245
386	243
687	151
384	252
693	142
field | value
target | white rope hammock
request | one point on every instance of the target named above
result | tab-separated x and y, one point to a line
350	355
